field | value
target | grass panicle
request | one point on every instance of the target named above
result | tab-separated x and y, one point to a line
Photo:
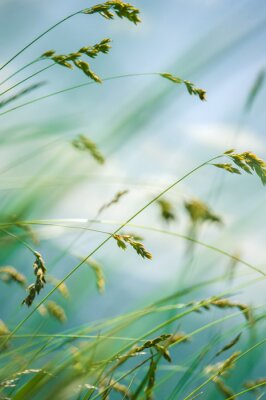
151	379
225	390
229	345
72	60
118	7
199	212
222	368
62	288
123	240
167	210
56	311
83	143
9	274
247	161
117	197
252	383
191	88
98	271
4	331
40	272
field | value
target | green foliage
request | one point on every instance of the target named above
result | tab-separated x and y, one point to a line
129	354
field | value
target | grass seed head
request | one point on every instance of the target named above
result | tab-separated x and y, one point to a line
118	7
40	272
167	210
191	88
98	270
200	212
8	274
224	389
3	332
222	368
83	143
123	240
56	311
247	161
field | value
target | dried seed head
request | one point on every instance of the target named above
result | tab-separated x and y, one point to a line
222	367
98	270
62	288
225	303
121	9
56	311
191	88
167	210
3	332
229	345
35	288
83	143
200	212
119	388
251	384
8	274
151	379
224	389
114	200
123	240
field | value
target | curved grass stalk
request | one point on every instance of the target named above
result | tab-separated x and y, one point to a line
166	323
216	374
20	70
107	240
76	87
26	79
158	230
39	37
19	240
193	333
246	390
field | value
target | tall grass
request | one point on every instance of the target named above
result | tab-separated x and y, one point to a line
62	336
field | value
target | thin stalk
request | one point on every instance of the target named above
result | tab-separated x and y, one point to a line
217	373
39	37
26	79
152	229
107	240
246	390
75	87
19	70
19	240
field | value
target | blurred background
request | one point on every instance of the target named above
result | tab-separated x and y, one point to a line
151	133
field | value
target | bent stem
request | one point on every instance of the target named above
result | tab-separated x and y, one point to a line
26	79
107	240
20	70
76	87
39	37
144	227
